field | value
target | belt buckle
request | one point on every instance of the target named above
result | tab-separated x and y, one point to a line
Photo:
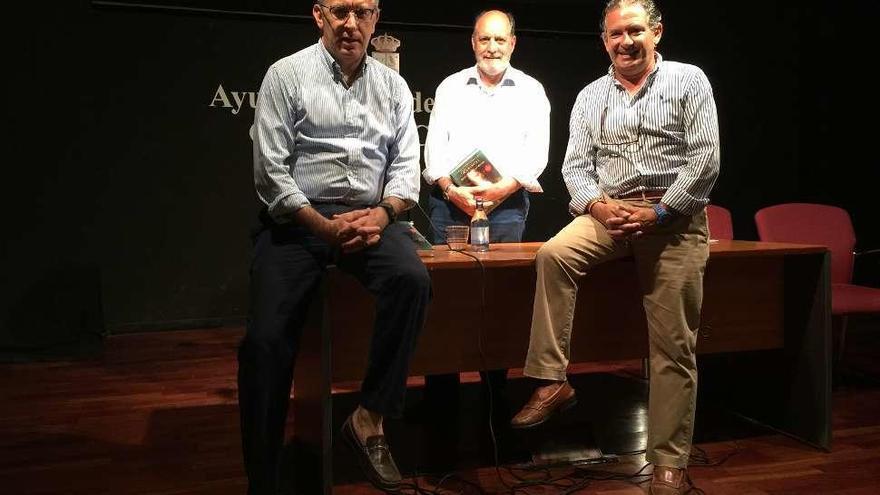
632	196
652	197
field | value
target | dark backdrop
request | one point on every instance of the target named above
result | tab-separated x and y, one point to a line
127	193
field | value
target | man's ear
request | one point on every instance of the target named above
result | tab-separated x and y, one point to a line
318	15
658	33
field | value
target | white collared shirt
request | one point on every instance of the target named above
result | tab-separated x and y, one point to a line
510	123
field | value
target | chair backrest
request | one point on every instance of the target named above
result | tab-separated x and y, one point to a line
720	222
808	223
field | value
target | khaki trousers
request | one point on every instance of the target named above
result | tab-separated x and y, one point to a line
670	262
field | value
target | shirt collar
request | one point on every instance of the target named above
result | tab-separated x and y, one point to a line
509	79
658	60
331	62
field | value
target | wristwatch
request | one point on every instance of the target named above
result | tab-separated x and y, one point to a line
389	210
663	215
446	190
591	203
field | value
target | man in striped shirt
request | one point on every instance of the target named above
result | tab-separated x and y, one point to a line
642	157
336	159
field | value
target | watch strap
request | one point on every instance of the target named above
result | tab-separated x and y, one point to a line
446	190
389	210
663	214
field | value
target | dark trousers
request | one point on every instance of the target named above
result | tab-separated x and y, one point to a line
506	224
287	266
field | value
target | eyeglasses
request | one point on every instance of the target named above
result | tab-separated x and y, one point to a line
620	131
342	12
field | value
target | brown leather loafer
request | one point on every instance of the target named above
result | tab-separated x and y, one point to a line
537	411
669	481
374	457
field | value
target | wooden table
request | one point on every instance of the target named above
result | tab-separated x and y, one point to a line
764	338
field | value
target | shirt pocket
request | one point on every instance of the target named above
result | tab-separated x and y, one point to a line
665	113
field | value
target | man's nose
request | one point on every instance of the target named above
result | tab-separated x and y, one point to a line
351	20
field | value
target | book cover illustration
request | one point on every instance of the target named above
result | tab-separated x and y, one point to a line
476	170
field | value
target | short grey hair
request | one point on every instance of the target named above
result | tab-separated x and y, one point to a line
654	16
510	19
377	2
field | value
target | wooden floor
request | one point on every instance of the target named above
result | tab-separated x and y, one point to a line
156	413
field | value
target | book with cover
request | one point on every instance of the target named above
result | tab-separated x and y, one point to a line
423	247
476	170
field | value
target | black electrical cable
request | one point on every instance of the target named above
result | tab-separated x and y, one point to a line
571	482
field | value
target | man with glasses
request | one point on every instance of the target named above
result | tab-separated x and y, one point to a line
642	157
336	159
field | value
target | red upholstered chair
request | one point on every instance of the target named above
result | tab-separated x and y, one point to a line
720	222
830	226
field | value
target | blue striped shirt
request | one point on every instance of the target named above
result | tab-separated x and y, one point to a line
662	139
317	140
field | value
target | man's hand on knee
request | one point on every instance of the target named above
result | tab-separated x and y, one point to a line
615	218
350	231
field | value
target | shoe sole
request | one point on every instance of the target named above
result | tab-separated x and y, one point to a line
358	450
559	410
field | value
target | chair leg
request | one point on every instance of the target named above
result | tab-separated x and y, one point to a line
836	350
839	325
842	342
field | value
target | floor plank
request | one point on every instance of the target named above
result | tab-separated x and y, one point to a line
156	413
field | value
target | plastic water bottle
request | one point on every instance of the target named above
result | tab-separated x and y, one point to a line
479	228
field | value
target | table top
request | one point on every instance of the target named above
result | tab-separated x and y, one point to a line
523	253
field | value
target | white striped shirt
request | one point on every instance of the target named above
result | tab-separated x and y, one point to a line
510	124
317	140
662	139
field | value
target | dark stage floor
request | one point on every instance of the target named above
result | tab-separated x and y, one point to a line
156	413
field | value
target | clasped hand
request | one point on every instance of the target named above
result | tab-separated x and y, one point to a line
623	220
465	198
355	230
